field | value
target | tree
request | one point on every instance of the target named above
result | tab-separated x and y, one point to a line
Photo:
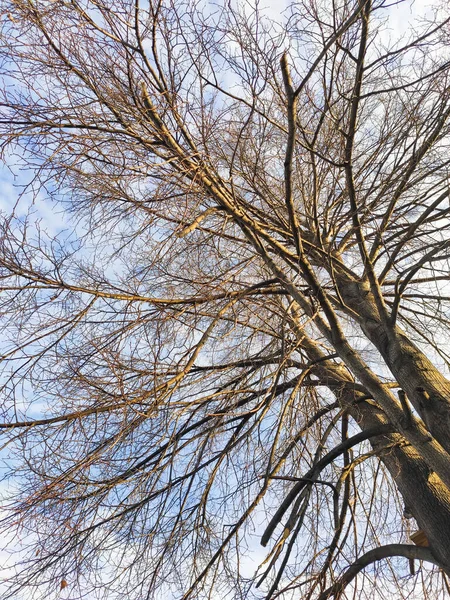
243	335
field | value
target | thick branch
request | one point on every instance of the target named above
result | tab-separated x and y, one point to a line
406	550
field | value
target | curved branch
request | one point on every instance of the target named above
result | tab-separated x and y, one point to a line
407	550
316	469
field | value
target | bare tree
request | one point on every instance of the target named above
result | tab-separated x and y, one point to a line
243	338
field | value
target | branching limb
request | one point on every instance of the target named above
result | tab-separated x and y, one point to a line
406	550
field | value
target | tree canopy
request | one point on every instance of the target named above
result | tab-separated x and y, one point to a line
226	374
